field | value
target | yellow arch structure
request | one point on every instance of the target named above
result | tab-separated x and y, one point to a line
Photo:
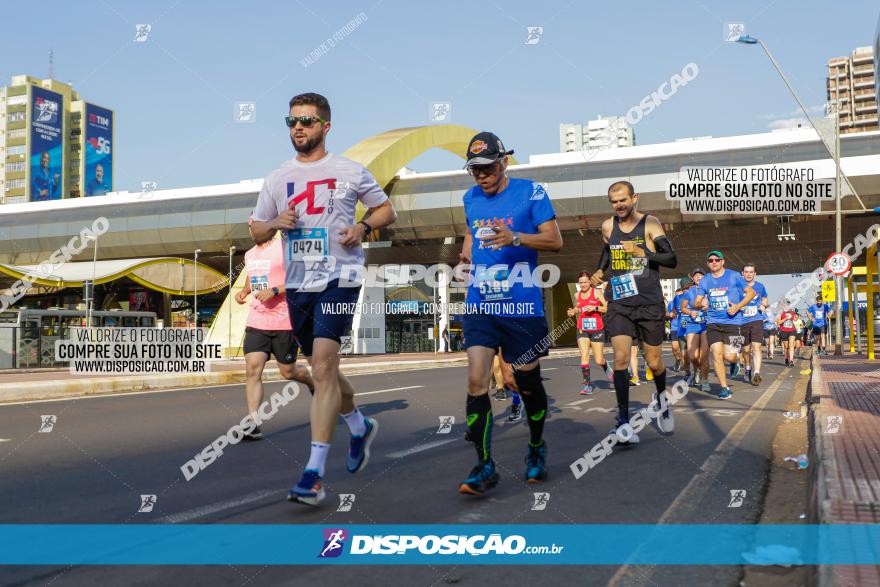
384	155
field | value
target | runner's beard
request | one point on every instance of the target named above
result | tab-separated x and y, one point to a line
310	145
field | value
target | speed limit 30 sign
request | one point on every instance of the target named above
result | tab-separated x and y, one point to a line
838	264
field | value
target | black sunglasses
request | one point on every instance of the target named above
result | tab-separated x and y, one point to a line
714	260
478	170
306	121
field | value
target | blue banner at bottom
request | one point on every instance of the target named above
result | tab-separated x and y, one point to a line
276	544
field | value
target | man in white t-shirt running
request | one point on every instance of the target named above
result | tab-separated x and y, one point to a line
312	199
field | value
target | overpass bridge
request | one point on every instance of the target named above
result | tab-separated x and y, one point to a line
431	223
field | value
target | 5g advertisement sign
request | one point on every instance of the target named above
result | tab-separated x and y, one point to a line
98	150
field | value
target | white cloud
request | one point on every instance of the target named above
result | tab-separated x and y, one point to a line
818	109
781	123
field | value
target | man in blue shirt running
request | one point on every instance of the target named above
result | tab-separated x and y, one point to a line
728	293
821	314
753	325
509	221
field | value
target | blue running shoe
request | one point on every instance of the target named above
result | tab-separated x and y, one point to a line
725	393
535	463
734	369
482	477
359	448
309	489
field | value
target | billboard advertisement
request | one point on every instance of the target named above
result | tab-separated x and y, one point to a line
46	173
98	151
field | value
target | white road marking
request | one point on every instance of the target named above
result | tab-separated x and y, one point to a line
217	507
388	390
702	482
421	447
5	439
548	368
580	401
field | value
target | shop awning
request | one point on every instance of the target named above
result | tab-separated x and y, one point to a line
170	275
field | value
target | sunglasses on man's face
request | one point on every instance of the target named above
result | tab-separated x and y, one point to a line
478	170
714	260
306	121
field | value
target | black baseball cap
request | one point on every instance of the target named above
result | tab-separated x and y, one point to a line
698	270
484	149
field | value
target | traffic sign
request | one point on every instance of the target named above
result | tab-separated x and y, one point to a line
829	293
838	264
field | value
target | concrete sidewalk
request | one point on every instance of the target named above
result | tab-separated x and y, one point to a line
38	384
845	446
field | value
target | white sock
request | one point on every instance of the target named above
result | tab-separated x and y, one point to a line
318	457
356	423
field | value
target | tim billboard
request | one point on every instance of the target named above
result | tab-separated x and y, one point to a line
46	156
98	150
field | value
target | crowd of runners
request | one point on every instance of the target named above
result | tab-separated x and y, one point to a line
719	319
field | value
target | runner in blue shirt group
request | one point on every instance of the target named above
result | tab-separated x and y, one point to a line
674	322
679	335
509	221
821	314
752	328
728	293
695	330
770	332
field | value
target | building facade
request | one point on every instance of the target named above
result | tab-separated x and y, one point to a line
852	91
605	132
53	144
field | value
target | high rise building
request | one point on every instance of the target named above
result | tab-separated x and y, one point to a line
53	145
605	132
851	89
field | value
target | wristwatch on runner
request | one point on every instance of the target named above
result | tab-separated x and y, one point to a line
367	228
275	291
516	241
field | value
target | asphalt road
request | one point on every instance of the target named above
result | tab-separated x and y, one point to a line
104	453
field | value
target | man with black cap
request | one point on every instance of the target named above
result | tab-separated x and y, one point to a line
509	221
728	293
695	331
635	249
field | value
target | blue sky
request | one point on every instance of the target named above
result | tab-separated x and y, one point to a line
174	94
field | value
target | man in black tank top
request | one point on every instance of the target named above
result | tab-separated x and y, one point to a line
635	249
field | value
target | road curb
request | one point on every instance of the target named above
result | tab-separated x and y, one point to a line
60	389
824	466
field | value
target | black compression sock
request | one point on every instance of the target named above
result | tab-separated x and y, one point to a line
660	381
479	423
534	398
621	388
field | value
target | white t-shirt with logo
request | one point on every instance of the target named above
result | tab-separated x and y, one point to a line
324	194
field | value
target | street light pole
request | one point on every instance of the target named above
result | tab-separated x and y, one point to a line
838	243
196	288
229	297
91	307
838	229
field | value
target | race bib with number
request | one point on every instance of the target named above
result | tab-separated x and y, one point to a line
493	287
624	286
788	323
718	301
820	314
259	282
482	233
307	244
589	323
698	319
750	311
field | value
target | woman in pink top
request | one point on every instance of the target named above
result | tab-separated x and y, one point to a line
267	330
